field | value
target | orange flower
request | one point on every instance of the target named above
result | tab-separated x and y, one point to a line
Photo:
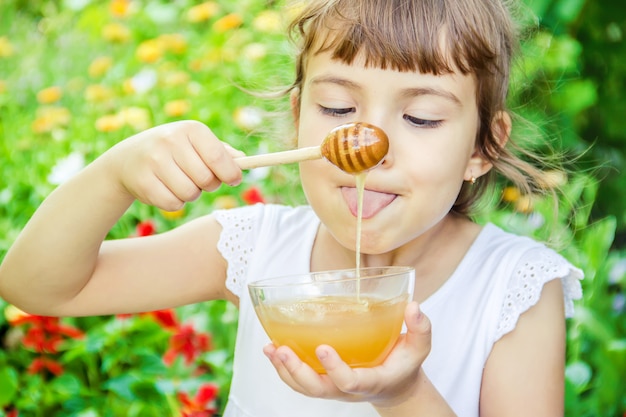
109	123
177	108
6	48
100	66
149	51
202	12
119	8
115	32
202	405
228	22
49	95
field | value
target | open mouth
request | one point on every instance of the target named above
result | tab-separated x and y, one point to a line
373	201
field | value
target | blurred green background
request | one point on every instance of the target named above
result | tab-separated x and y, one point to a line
76	76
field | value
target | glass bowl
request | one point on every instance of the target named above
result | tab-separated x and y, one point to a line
359	314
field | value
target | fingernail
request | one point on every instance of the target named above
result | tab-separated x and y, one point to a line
322	354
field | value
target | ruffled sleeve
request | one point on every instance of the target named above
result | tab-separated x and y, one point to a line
535	268
237	242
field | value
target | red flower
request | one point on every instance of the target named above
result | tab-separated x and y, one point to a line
42	363
188	343
202	405
146	228
45	333
12	413
252	196
166	318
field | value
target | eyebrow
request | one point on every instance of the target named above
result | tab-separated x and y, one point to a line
408	92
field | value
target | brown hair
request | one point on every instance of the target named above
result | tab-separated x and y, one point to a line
405	35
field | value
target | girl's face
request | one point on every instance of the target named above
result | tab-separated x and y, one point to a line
431	122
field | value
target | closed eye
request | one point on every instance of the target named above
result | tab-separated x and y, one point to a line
330	111
423	123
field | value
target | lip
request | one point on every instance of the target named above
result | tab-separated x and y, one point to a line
373	201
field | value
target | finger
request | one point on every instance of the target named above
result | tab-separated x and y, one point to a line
419	332
278	362
177	181
159	195
194	167
214	154
345	378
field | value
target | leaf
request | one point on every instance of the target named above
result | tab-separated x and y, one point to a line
8	385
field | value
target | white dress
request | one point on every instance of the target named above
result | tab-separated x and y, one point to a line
500	277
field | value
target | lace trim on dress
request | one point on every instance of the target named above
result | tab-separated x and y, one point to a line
534	269
236	246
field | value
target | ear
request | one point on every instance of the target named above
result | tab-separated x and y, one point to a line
478	164
294	98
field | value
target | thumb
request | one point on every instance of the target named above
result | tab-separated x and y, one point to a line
418	327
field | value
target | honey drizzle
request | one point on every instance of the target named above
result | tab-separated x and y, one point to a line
360	188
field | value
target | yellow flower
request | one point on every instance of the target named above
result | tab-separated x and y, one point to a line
248	117
50	118
100	66
175	78
149	51
177	108
202	12
115	32
553	179
268	21
6	48
525	204
225	202
49	95
173	215
173	42
109	123
510	194
96	93
228	22
136	117
255	51
12	313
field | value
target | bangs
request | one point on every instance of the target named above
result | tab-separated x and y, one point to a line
431	36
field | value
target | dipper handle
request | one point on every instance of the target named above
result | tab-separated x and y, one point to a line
279	158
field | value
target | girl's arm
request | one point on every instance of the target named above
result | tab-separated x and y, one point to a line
524	375
59	264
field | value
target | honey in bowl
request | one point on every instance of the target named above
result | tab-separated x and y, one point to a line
358	313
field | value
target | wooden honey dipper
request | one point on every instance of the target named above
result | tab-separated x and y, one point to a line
352	147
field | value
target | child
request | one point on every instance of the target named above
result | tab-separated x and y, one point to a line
433	74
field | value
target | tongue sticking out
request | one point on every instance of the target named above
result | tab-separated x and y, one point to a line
373	201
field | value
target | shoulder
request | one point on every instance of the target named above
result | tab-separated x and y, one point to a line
526	266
